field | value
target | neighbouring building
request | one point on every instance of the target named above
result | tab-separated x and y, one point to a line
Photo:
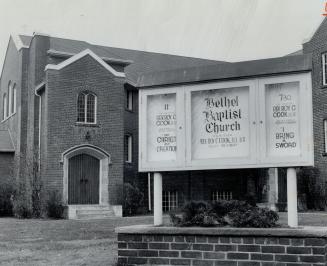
70	110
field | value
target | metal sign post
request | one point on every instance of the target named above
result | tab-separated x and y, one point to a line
292	198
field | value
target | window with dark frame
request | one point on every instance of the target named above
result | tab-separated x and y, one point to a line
128	148
324	69
86	108
129	100
169	200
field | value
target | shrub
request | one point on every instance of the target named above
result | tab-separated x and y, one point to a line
22	204
253	217
7	191
196	213
308	183
22	208
221	213
55	207
133	198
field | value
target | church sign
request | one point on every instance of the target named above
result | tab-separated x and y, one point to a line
259	122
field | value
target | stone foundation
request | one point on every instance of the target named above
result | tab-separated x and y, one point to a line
149	245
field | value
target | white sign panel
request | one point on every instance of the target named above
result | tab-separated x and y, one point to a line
282	116
253	123
220	123
161	127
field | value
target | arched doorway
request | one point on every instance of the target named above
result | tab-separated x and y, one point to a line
83	179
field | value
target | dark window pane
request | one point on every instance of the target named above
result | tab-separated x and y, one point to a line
81	108
90	115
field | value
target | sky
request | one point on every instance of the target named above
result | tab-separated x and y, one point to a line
230	30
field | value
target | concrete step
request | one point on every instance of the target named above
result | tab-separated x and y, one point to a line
91	212
94	216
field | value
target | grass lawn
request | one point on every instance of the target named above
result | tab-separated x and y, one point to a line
69	242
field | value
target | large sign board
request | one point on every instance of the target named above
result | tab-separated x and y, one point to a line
263	122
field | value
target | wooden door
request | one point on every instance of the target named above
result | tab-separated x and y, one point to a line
83	179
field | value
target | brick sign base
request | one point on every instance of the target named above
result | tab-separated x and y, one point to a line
149	245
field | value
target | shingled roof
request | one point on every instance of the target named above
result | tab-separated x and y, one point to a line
153	69
226	71
143	62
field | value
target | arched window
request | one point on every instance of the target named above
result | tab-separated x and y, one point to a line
10	98
4	105
14	101
86	108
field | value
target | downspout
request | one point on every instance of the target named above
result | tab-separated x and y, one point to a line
37	89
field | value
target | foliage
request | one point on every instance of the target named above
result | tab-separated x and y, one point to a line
7	191
133	198
36	188
55	207
196	213
22	203
27	201
308	183
225	213
253	217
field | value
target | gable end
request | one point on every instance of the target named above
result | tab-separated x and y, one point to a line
81	55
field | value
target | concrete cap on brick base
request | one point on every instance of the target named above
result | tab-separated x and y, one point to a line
215	231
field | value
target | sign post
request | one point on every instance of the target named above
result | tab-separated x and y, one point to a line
157	201
292	198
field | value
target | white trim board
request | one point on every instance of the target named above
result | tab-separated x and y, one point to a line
81	55
56	53
18	42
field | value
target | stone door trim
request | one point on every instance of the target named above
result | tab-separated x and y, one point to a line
104	159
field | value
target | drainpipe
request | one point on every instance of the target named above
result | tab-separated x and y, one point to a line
37	89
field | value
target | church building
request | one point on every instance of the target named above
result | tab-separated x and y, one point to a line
70	110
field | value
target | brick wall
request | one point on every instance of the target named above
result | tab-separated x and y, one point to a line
318	45
12	72
131	128
60	131
221	246
35	75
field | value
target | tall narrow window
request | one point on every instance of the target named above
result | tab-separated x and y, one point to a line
86	108
128	148
129	100
14	95
10	94
324	68
4	105
325	134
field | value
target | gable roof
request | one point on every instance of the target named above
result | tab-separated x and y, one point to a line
6	144
80	55
143	62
